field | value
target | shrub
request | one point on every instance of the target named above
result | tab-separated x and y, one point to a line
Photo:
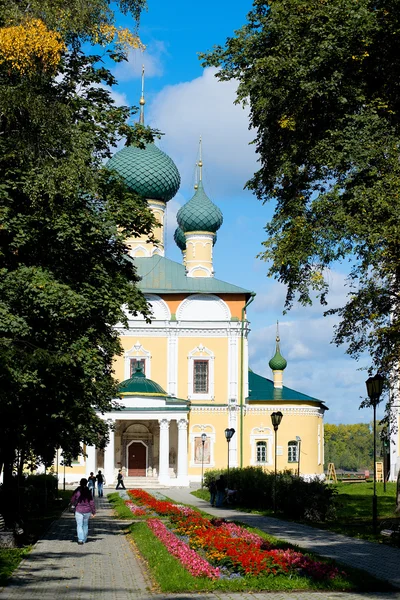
296	498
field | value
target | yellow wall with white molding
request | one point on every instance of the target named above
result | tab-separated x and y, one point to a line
219	348
157	346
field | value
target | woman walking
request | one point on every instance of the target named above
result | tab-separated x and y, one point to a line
83	501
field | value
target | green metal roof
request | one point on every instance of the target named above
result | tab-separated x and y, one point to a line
199	214
180	239
262	389
161	275
147	171
139	385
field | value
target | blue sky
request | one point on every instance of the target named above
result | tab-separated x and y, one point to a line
184	101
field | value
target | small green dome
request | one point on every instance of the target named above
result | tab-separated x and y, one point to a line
147	171
199	214
277	362
180	239
139	385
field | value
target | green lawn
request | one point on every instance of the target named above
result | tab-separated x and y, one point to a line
353	509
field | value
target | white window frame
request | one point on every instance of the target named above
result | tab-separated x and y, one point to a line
139	353
261	434
201	353
261	444
293	446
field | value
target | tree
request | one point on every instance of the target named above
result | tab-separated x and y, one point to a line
350	447
322	82
64	270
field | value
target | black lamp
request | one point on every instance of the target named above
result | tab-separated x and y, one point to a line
374	391
276	419
229	432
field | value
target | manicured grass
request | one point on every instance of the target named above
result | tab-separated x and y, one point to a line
172	577
9	561
353	509
119	506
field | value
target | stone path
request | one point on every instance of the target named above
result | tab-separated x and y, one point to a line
108	567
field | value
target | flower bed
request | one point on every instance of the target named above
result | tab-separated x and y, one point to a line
196	565
135	510
225	545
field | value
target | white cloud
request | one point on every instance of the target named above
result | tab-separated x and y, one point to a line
204	106
151	58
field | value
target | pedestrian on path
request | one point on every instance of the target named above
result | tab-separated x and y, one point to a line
220	491
100	482
92	483
83	501
120	480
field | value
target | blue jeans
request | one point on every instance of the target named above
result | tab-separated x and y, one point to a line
100	489
82	525
220	498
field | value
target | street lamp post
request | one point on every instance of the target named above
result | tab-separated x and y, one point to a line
276	419
203	441
374	391
298	440
228	434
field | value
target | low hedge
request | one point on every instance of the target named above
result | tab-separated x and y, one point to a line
296	498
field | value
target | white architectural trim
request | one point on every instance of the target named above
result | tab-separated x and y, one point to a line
172	361
163	469
233	368
198	307
141	251
200	271
201	353
137	351
261	434
182	470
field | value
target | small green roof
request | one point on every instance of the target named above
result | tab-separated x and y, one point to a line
139	385
199	214
147	171
160	275
277	362
262	389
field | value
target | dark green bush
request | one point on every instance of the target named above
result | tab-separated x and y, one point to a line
295	498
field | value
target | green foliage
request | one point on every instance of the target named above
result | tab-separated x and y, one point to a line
64	270
350	447
320	79
295	497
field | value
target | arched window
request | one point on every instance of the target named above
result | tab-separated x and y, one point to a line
261	448
293	452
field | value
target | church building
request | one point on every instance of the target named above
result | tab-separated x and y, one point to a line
186	381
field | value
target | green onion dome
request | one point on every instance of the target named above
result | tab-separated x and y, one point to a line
139	385
180	239
277	362
147	171
199	214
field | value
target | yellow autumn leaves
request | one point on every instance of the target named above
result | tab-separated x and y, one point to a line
31	45
23	46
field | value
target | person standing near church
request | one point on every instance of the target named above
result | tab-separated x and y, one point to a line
100	482
120	481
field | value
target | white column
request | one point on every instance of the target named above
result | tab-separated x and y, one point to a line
182	476
109	459
163	469
90	460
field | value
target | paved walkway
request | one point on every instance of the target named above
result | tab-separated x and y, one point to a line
109	568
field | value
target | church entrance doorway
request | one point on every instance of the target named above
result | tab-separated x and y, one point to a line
137	459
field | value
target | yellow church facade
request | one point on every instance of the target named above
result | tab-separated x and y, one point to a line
185	376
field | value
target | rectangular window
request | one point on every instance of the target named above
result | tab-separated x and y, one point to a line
200	377
137	362
202	453
292	452
261	452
